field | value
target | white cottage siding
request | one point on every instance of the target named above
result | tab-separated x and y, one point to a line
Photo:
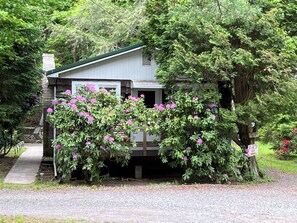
123	67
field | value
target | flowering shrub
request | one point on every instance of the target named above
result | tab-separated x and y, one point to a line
187	125
93	126
287	146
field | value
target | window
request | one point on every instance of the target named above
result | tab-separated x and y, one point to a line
145	60
108	85
149	98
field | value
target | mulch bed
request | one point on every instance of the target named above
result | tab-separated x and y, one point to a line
6	164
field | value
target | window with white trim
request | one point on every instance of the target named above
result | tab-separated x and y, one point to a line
108	85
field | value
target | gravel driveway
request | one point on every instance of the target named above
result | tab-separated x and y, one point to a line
273	202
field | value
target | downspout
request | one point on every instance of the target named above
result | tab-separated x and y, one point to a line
55	135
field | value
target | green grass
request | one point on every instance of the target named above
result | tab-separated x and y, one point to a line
26	219
268	160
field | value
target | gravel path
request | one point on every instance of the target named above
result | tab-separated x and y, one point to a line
273	202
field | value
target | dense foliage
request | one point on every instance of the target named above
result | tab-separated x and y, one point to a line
281	133
94	27
94	126
191	138
19	56
232	46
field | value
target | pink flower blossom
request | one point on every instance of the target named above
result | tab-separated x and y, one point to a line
213	117
80	113
104	90
142	95
189	148
58	146
81	98
74	156
93	100
208	109
106	138
88	143
73	107
129	121
133	99
68	92
90	119
73	101
89	107
63	103
185	158
199	141
130	96
50	110
173	105
196	117
111	139
55	102
168	106
213	105
73	134
195	98
91	88
127	110
87	114
160	107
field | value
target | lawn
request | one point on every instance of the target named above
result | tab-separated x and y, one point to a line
268	160
25	219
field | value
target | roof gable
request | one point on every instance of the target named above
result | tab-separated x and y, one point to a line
55	72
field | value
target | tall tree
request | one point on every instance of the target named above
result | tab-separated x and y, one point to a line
93	27
228	47
19	55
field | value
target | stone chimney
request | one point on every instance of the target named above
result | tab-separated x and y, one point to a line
48	62
48	96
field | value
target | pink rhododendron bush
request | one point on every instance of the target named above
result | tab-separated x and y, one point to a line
93	126
193	138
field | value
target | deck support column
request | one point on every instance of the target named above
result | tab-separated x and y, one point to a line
138	172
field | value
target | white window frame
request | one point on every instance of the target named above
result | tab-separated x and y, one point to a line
98	85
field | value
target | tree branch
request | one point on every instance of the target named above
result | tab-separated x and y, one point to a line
219	6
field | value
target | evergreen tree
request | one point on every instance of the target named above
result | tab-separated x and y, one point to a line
231	49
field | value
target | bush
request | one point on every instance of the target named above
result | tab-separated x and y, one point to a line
93	126
190	138
282	133
288	146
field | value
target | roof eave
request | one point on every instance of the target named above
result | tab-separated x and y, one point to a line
56	72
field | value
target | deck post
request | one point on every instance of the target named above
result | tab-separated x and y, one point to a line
144	143
138	172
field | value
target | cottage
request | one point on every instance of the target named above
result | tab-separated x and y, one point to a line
127	71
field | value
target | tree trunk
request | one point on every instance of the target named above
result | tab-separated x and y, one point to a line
243	93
